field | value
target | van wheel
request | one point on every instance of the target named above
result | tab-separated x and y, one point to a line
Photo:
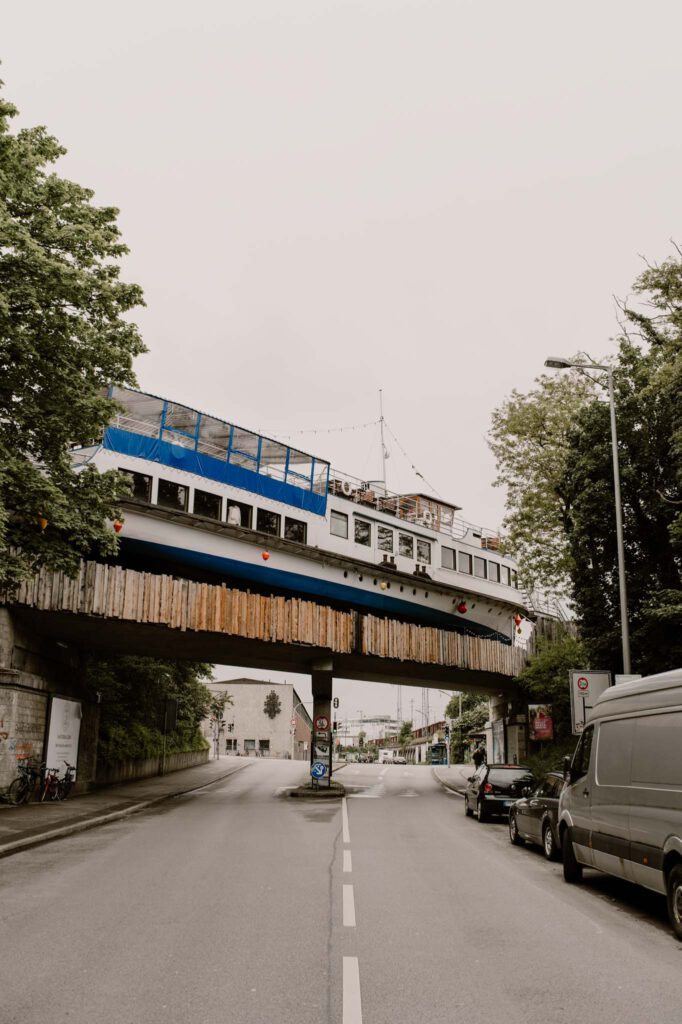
573	871
514	836
467	810
549	847
674	888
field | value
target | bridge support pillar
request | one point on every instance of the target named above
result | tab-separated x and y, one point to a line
321	747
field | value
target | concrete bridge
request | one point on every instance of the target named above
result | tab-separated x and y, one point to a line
52	619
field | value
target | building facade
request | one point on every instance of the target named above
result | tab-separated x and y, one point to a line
250	731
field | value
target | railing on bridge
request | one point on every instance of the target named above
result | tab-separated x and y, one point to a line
111	592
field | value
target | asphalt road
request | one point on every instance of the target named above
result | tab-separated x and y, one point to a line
236	904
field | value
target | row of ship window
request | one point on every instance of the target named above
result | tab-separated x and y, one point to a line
420	550
177	498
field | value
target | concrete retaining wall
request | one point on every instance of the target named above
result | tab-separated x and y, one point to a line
128	771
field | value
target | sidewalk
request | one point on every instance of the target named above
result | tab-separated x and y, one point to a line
34	823
454	777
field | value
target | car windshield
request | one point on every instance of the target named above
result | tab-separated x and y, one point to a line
504	776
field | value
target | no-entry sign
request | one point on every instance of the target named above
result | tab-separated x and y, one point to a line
585	688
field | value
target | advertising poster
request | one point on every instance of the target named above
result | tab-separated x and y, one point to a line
540	724
64	733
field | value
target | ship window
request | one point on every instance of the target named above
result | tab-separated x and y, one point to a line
479	567
294	529
447	558
494	571
506	575
141	484
384	539
464	562
515	579
207	504
180	425
406	545
268	522
141	413
300	469
244	449
424	552
320	477
338	525
273	459
172	495
363	533
239	514
213	437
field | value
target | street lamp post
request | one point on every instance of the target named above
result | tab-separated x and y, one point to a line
558	363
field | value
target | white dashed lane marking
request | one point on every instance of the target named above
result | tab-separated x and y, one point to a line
348	907
352	1005
346	861
344	820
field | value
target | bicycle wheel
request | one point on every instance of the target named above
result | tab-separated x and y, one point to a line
65	787
19	791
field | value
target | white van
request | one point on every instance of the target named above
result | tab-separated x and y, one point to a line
621	808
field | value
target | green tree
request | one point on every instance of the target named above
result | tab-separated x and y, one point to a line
529	438
132	692
475	713
362	736
405	733
544	680
217	710
64	337
648	398
272	705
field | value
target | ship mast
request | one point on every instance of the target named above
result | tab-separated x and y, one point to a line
383	445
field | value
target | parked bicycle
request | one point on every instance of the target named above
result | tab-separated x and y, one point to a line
26	782
49	788
66	783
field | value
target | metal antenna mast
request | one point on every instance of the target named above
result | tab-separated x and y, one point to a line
383	445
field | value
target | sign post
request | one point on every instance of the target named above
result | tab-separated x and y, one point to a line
585	687
321	760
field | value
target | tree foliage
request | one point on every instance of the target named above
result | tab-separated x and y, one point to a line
648	399
132	692
544	680
64	337
272	705
529	438
405	733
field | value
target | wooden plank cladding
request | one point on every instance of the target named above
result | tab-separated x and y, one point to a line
114	593
111	592
389	638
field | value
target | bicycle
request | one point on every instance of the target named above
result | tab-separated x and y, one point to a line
66	783
21	788
50	785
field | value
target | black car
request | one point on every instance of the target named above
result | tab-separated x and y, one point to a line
493	788
534	818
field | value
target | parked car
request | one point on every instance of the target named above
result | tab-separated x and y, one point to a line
621	808
535	818
399	760
493	788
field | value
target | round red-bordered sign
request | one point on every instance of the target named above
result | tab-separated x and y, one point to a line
583	683
321	723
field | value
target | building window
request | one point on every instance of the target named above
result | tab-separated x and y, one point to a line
384	539
207	504
264	747
424	552
464	562
405	545
141	483
506	575
338	525
447	558
268	522
294	529
239	514
249	745
172	495
515	579
363	533
230	745
494	571
479	567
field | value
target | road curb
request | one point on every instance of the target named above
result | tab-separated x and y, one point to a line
16	845
445	784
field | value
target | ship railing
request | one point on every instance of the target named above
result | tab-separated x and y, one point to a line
413	510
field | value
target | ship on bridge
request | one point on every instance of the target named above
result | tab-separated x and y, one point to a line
213	501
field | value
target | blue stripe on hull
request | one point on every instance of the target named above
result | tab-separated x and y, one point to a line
298	585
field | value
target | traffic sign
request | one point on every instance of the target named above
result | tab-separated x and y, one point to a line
336	702
321	723
585	687
318	770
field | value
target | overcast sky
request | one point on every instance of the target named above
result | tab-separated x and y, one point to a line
326	197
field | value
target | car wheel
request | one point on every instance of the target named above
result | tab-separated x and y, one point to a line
573	871
550	848
674	887
514	836
467	810
482	812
